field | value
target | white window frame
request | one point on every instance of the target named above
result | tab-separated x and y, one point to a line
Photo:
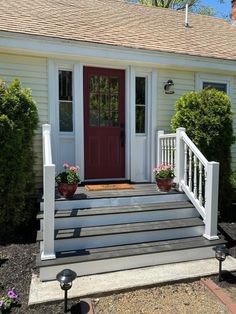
200	78
146	76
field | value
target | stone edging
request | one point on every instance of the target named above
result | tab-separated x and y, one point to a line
221	295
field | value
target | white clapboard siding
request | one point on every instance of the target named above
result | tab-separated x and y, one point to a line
184	82
32	72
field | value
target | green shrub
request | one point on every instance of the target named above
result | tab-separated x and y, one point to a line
208	118
18	122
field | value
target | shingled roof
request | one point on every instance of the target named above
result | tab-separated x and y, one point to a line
118	23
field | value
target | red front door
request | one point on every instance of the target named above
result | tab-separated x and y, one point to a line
104	123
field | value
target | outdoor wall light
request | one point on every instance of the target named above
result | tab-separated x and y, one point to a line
221	252
169	87
66	277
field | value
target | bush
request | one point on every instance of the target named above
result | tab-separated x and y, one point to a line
18	122
208	118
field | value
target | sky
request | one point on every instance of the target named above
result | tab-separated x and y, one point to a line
221	9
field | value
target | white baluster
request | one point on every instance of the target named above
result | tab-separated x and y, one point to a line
165	141
195	176
190	170
168	150
185	163
172	152
200	183
162	151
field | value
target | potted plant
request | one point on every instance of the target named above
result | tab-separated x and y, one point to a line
68	180
164	175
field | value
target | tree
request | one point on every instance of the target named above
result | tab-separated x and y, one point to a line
18	122
208	119
194	5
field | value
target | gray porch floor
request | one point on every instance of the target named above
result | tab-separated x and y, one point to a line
143	189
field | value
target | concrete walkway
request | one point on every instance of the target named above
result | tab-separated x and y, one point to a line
41	292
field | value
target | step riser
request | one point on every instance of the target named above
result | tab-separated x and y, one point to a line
103	220
120	201
124	263
126	238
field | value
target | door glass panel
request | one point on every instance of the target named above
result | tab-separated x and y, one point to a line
103	101
65	112
104	84
114	104
65	101
114	85
94	118
94	84
140	106
94	101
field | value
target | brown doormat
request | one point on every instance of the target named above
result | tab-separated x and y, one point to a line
101	187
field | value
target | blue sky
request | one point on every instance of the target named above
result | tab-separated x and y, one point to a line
221	9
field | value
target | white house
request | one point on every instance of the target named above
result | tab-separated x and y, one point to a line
105	75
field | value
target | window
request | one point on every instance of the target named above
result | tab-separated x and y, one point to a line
140	105
219	86
65	101
103	101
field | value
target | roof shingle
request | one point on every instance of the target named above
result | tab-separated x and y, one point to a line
118	23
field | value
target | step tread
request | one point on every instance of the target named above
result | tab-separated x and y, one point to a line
68	213
124	228
128	250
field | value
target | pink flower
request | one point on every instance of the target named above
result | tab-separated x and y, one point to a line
65	165
73	168
78	167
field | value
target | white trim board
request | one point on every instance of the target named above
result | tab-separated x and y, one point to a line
59	48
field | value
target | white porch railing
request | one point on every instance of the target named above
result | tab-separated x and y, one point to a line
48	195
195	175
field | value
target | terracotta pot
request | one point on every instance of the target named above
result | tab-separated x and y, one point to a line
67	190
164	184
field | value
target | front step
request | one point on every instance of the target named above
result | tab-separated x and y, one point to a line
77	218
101	260
109	231
102	236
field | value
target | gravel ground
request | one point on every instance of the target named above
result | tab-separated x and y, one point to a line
177	298
17	263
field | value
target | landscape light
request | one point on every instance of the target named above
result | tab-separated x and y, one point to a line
66	277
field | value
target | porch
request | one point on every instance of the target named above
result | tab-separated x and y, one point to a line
98	232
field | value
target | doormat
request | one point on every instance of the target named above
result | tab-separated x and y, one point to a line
103	187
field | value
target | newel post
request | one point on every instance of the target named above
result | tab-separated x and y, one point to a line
211	205
159	152
179	157
48	251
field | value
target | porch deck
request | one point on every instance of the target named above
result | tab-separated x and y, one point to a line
139	189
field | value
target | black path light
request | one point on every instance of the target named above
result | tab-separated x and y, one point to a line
66	277
221	252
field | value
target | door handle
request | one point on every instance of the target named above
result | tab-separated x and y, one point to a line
122	137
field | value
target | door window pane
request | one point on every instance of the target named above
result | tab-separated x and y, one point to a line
219	86
65	101
103	101
65	112
140	107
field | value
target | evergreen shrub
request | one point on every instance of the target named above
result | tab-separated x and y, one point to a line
207	117
18	122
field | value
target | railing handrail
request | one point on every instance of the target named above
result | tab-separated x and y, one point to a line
169	135
191	167
194	149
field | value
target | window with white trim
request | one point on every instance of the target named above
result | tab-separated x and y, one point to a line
213	85
65	101
219	82
140	105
